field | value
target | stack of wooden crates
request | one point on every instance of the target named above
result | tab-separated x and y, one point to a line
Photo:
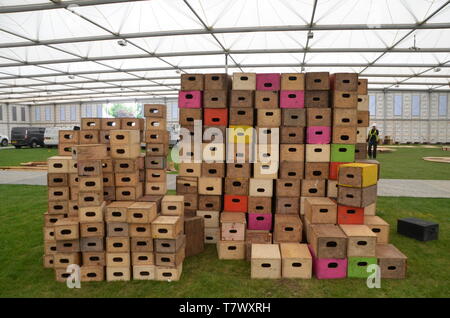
270	181
107	211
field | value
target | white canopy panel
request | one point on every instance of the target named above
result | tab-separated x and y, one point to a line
90	49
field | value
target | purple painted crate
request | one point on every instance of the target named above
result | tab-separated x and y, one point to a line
258	221
328	268
318	135
268	82
190	99
292	99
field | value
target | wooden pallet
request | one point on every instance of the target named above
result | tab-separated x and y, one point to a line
34	164
437	159
25	168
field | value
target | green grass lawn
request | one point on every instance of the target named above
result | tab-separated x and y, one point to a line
13	157
22	274
407	163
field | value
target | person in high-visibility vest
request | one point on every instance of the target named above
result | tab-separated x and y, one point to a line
372	140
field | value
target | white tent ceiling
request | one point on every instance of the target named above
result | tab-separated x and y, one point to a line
56	50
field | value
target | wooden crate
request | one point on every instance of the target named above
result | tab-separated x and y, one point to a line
231	249
167	227
144	272
265	261
328	241
118	273
320	210
164	273
287	228
232	226
392	262
361	240
296	260
194	229
142	212
92	273
172	205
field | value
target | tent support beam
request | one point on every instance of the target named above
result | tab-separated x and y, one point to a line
287	28
58	5
438	84
201	53
210	31
43	93
177	78
220	66
407	35
308	37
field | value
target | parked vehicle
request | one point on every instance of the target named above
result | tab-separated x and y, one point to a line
4	140
27	136
51	135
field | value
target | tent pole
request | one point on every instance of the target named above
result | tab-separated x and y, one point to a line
226	63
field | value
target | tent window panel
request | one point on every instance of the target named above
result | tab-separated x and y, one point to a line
1	112
140	107
174	111
48	113
443	105
22	114
415	105
88	111
62	113
99	110
73	113
14	113
372	105
37	113
398	105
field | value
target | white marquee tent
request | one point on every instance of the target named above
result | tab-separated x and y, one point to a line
56	51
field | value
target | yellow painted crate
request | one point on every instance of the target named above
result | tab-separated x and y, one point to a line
240	134
358	175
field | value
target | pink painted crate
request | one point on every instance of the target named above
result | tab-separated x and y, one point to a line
268	82
292	99
318	135
190	99
328	268
257	221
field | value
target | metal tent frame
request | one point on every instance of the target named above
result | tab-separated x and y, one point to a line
40	78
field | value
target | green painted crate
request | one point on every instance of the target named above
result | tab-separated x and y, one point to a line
342	153
357	266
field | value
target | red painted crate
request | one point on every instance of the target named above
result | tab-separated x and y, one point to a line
350	215
235	203
215	117
334	169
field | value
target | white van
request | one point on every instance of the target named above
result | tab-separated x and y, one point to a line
4	140
51	135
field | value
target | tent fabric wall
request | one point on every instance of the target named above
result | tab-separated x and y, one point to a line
428	126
